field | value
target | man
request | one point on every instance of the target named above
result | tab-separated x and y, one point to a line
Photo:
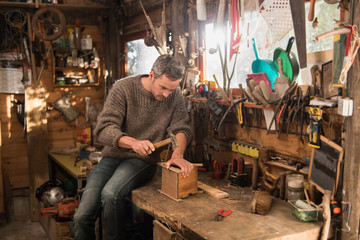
138	112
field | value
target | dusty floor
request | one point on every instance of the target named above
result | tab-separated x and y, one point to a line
22	230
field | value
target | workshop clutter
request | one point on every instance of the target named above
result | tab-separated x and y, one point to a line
50	193
72	50
66	208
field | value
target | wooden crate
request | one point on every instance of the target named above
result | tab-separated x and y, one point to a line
56	230
174	185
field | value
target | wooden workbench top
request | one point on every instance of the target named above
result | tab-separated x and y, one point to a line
193	218
67	161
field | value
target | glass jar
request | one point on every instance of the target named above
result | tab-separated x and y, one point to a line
295	187
86	43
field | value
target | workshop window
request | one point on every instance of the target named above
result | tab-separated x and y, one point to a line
253	25
140	57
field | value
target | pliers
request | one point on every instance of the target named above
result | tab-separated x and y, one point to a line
220	216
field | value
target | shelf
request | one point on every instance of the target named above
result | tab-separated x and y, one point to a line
77	85
75	69
58	6
285	166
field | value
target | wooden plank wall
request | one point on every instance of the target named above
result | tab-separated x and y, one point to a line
14	144
2	206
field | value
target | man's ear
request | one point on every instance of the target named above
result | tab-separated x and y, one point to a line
152	76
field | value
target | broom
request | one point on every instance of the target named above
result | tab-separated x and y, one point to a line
261	202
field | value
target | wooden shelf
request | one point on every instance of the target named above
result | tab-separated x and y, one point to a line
58	6
285	166
77	85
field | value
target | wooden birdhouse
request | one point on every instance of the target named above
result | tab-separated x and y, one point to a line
175	186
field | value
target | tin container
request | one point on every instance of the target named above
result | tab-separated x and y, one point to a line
304	215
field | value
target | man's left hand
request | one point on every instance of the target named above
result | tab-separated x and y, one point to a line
179	161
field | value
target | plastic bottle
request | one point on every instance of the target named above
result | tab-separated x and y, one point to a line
71	38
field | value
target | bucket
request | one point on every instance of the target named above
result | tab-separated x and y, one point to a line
295	187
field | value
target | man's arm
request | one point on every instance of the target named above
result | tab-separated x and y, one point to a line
142	147
177	158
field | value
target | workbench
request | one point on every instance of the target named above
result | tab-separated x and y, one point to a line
67	163
194	217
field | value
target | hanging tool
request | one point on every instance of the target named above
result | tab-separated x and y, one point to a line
227	111
240	114
221	214
315	126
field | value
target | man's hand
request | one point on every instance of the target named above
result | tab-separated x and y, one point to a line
179	161
143	147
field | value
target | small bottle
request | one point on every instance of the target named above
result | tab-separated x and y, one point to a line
77	38
71	38
74	58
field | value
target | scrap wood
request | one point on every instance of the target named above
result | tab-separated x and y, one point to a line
214	192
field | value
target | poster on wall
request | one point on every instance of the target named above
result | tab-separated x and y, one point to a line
10	80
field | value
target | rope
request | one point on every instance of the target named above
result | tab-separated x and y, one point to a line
353	50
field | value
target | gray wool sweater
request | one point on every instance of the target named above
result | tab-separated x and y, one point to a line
132	111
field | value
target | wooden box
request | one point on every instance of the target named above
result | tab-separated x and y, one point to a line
174	185
56	230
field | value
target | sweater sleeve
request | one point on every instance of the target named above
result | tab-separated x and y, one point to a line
180	121
108	128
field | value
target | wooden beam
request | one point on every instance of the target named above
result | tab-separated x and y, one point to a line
35	109
351	179
178	15
2	207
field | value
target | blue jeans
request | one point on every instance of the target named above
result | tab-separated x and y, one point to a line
107	186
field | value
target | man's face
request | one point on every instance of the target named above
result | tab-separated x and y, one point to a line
162	86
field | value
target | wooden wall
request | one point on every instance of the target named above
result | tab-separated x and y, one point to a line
14	145
14	150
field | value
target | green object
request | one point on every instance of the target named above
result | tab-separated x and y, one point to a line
338	60
303	215
289	61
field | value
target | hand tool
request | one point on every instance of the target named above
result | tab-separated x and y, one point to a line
171	139
288	92
64	209
227	111
220	216
314	127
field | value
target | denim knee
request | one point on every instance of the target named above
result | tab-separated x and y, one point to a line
113	199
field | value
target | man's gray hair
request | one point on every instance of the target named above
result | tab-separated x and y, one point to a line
168	65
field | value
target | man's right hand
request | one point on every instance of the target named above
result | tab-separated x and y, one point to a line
143	147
